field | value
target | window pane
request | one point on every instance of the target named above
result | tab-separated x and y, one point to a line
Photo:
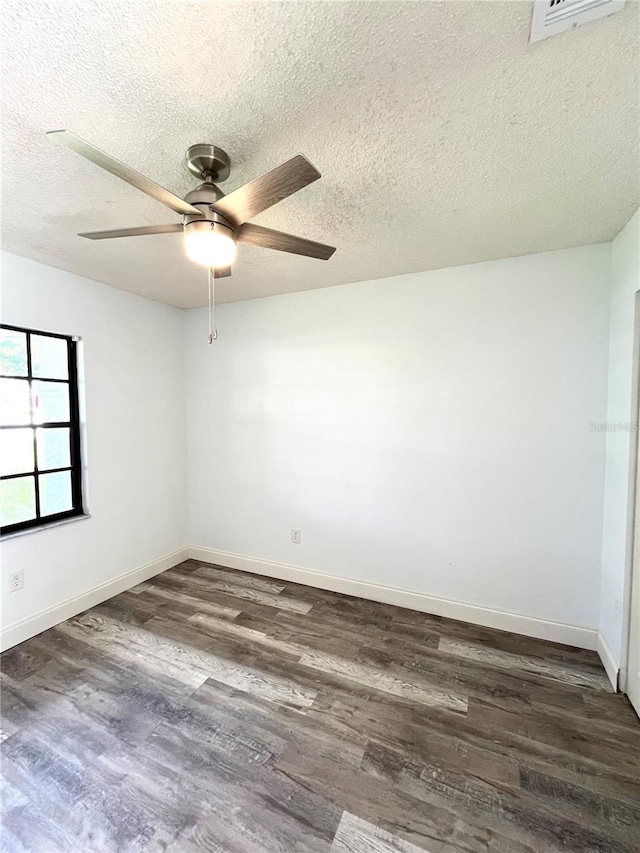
55	492
17	500
49	357
16	451
13	353
14	401
54	450
50	402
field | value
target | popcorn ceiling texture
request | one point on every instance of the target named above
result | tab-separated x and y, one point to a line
443	137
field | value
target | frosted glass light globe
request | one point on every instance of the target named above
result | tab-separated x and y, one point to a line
209	244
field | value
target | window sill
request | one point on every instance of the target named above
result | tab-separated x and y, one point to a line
43	527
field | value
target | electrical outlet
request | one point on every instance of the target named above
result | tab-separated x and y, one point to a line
16	581
295	535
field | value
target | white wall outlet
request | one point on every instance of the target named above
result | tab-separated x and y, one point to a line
16	581
295	535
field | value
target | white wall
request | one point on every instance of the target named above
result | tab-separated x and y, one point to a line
429	432
618	521
136	441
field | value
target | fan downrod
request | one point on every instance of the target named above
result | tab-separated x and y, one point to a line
208	162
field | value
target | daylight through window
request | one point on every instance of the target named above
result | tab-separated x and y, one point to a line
40	467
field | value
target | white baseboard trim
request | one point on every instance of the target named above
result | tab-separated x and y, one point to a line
11	635
529	626
609	662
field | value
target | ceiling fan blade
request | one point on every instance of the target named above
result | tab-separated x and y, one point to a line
125	173
252	198
132	232
256	235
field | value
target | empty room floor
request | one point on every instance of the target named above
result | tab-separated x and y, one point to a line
209	710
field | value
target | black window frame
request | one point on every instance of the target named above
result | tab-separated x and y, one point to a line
73	424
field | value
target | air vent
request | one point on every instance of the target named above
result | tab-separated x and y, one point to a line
554	16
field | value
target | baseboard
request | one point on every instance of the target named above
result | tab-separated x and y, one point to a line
609	662
21	631
529	626
572	635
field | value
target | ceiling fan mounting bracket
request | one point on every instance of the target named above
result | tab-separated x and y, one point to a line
208	162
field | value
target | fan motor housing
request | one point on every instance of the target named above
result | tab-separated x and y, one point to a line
203	198
206	193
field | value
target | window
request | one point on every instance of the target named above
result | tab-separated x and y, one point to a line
40	467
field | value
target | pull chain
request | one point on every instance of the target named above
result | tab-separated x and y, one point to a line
213	332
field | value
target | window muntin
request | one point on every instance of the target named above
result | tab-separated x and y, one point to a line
40	465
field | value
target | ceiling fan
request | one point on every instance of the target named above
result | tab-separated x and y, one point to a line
212	222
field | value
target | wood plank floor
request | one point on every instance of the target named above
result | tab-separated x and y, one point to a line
209	710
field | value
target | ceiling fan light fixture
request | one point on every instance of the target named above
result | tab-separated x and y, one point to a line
212	221
209	244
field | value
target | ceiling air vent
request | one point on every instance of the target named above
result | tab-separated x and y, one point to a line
553	16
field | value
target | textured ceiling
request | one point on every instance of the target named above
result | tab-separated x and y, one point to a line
442	135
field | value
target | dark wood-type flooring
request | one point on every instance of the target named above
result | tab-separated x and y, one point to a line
209	710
